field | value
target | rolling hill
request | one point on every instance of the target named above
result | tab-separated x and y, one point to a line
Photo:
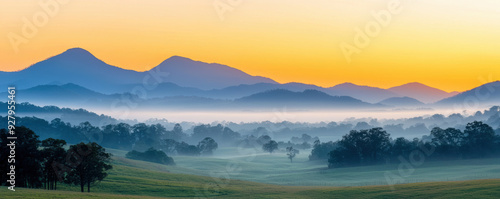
402	102
305	99
137	179
365	93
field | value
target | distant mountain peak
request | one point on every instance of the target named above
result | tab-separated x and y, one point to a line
77	50
178	58
421	92
401	102
414	85
347	84
204	75
77	54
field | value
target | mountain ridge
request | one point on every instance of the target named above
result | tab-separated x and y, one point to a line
486	93
191	77
79	66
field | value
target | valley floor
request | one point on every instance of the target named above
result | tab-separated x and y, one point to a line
273	176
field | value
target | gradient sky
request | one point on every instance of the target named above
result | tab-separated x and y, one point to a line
448	44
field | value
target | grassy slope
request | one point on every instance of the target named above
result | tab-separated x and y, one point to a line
154	181
277	169
461	189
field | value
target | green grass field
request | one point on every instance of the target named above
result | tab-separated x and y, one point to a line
140	183
191	179
277	169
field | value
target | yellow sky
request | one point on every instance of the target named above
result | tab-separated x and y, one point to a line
448	44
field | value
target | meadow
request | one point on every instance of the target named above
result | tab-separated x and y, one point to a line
130	182
263	175
277	169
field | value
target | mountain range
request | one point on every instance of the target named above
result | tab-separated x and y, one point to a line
78	75
80	67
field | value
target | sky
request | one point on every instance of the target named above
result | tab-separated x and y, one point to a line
452	45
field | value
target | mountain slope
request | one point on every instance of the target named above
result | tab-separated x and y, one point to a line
365	93
234	92
80	67
307	98
402	102
421	92
67	95
189	73
485	95
76	66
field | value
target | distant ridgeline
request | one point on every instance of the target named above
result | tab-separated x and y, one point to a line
74	116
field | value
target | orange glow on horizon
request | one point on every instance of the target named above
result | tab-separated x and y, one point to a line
453	48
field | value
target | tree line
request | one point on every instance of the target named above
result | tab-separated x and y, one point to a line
375	146
139	137
42	164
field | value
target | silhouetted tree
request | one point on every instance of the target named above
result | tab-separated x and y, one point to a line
207	146
117	136
321	150
176	133
92	165
91	133
147	136
27	158
361	147
270	147
151	155
168	146
447	142
263	139
186	149
52	153
218	132
479	139
402	147
291	152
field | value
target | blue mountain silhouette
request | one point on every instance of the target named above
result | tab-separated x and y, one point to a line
80	67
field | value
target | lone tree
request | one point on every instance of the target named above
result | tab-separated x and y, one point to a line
207	146
92	164
291	152
270	147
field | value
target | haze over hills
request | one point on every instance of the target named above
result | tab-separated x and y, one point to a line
365	93
487	94
305	99
178	76
402	102
75	96
68	95
421	92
